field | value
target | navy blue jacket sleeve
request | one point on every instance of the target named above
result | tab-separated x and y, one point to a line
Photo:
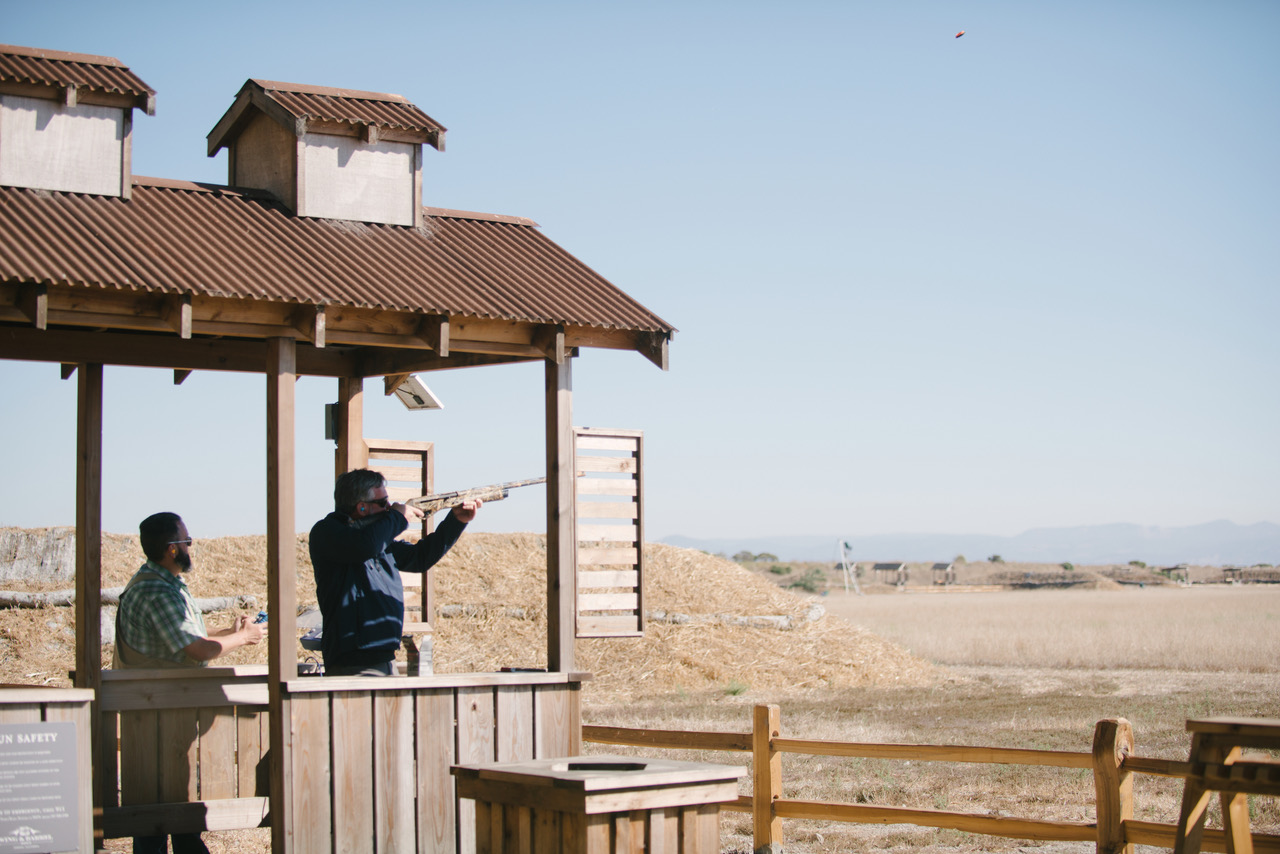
427	552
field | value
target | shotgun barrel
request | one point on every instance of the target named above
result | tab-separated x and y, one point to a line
445	500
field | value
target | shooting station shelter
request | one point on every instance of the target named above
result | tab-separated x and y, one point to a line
317	259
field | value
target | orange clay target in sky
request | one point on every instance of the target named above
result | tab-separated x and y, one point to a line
959	34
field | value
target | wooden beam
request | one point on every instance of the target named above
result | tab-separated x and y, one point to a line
550	340
68	370
180	376
69	96
654	346
434	330
391	382
281	373
151	351
372	363
310	321
33	302
177	314
561	545
353	452
89	559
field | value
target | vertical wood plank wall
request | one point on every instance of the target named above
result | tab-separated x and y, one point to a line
371	768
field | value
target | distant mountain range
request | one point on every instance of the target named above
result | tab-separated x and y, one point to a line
1213	544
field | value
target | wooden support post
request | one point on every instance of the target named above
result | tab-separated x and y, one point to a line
353	453
562	546
766	784
1112	742
89	564
281	370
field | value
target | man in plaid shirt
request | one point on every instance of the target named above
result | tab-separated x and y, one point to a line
159	625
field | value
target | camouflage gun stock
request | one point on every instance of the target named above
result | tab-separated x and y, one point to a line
445	500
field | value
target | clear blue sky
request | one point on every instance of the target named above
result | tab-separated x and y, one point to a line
1023	278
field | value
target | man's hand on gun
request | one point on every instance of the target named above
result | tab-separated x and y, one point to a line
466	511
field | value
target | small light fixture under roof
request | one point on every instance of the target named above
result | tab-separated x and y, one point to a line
414	394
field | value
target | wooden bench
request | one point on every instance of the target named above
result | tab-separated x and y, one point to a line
1218	765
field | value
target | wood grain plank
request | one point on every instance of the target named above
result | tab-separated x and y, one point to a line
551	716
514	723
475	712
435	745
78	714
353	787
178	745
312	773
607	486
217	754
603	578
139	758
393	782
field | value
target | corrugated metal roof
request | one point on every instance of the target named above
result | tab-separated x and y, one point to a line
182	237
57	68
348	105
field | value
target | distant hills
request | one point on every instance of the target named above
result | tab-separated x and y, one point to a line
1213	544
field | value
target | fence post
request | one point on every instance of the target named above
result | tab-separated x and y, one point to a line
1112	742
766	779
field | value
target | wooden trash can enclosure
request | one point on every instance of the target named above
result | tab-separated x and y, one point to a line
598	805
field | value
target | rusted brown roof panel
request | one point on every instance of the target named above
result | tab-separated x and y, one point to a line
57	68
347	105
181	237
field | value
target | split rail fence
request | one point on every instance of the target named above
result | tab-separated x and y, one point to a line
1111	761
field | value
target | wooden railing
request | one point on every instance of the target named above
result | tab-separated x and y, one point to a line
1111	761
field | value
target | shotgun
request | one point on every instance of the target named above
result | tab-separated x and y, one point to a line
445	500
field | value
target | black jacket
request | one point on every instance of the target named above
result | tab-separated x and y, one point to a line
357	565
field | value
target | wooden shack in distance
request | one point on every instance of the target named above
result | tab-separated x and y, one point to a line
316	259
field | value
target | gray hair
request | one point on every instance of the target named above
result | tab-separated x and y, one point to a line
354	487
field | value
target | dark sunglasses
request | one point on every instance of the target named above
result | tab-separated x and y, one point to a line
384	503
185	542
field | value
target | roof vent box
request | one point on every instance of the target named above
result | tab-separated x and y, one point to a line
66	120
328	153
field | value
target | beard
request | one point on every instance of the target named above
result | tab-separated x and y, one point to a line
183	560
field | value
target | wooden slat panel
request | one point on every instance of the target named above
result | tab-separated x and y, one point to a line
217	754
608	602
607	465
587	442
178	747
546	830
179	693
552	717
352	771
139	758
606	486
434	724
602	578
482	833
386	449
398	474
664	831
601	627
519	822
475	744
312	802
393	781
514	719
401	494
252	740
607	510
618	533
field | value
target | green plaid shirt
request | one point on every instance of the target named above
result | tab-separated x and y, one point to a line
157	615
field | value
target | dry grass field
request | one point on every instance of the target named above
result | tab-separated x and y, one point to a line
1020	669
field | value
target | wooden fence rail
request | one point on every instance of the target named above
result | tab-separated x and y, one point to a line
1111	761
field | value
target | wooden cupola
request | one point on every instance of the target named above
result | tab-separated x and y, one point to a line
66	121
328	153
